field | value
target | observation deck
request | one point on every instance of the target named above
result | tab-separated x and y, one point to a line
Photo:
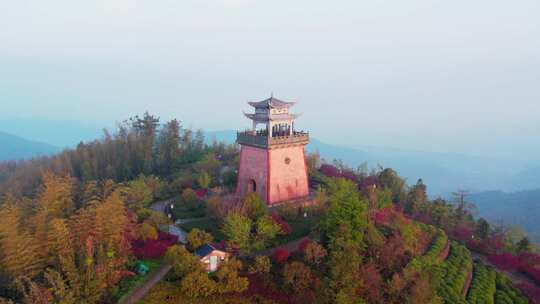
260	139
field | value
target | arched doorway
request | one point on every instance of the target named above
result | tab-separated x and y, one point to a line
252	186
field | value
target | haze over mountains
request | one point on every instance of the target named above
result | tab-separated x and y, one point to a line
13	147
442	172
516	208
502	189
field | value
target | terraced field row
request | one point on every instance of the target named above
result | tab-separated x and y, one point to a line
438	245
454	274
490	287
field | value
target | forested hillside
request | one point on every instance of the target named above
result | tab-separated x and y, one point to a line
361	237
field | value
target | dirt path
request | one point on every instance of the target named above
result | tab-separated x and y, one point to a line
445	252
467	284
143	289
514	276
160	206
290	246
190	220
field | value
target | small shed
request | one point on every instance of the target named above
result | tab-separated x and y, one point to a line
210	257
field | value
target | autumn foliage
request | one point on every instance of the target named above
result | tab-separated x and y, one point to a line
281	255
283	225
154	248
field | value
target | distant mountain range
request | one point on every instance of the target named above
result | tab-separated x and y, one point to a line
442	172
14	148
516	208
446	172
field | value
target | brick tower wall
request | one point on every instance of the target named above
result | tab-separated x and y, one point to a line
253	166
288	174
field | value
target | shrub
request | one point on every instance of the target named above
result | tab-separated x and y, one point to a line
197	284
281	255
153	249
329	170
532	292
533	273
283	225
182	262
382	216
148	232
297	275
253	206
288	211
530	265
303	244
462	234
197	238
189	198
314	253
261	265
505	261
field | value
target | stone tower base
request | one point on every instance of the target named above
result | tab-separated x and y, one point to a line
277	175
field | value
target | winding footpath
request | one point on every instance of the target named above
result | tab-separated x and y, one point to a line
143	289
291	246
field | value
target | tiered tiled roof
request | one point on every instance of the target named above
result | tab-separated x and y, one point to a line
266	117
271	102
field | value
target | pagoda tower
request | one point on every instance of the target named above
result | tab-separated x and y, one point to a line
272	158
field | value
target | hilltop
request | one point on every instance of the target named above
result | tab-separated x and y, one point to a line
139	204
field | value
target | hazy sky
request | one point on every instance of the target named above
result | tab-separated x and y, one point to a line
451	76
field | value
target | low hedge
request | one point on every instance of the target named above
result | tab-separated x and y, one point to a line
454	273
483	286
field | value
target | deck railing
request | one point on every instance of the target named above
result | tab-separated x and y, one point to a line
251	138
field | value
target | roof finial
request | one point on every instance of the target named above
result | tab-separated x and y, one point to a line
272	94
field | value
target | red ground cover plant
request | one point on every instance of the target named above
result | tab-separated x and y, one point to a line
490	245
372	283
530	265
281	255
272	291
201	193
531	272
505	261
333	171
532	259
532	292
347	174
153	249
462	233
369	181
329	170
526	263
382	216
